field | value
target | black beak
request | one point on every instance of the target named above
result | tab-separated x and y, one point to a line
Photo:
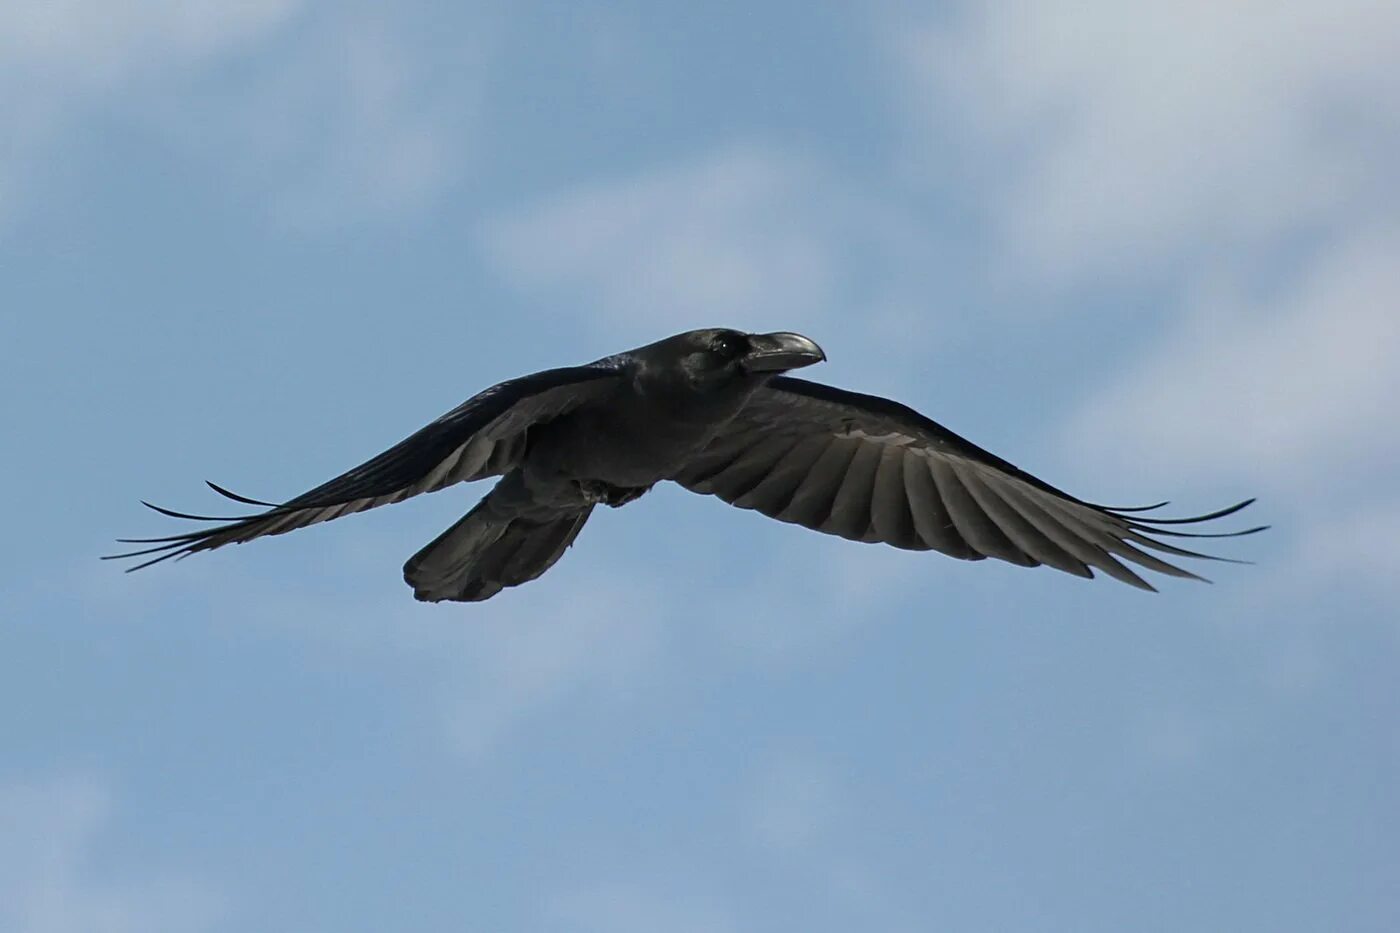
775	353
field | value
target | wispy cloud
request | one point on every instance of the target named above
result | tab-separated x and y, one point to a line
1290	394
1288	386
352	125
1243	150
50	882
1112	137
90	45
58	59
748	235
342	123
708	239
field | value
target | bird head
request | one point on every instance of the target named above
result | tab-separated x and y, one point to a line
718	357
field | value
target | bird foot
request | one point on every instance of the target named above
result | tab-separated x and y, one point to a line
596	491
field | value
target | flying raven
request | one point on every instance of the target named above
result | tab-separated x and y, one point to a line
708	409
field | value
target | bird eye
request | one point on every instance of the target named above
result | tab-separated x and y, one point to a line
725	345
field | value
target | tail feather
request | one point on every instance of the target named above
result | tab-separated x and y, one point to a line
485	552
540	547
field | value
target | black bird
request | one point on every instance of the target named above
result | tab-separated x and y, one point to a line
707	409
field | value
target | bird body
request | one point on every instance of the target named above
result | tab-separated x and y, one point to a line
708	409
632	440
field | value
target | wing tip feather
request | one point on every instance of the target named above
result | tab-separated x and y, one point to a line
228	494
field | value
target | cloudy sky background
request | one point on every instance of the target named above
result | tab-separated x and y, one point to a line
1146	254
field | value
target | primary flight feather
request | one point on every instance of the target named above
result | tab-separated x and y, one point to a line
711	410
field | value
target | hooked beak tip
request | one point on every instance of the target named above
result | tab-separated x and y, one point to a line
781	351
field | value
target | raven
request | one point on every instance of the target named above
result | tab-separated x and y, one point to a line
711	410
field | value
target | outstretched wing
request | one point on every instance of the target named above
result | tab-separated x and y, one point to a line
484	436
870	469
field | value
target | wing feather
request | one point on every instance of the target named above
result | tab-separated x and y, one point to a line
972	521
931	518
775	491
1024	534
870	469
484	436
811	501
851	508
890	519
1082	542
749	467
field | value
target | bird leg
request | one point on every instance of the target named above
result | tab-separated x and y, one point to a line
597	491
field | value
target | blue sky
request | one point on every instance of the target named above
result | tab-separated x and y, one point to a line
1145	254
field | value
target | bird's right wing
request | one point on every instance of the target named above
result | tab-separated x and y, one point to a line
484	436
870	469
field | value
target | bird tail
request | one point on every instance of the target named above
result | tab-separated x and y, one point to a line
484	552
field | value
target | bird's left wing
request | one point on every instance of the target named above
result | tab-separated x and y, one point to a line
484	436
870	469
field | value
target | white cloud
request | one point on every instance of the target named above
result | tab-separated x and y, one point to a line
92	45
60	57
746	236
711	237
1129	136
1290	394
349	124
49	884
342	121
1295	388
1246	150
